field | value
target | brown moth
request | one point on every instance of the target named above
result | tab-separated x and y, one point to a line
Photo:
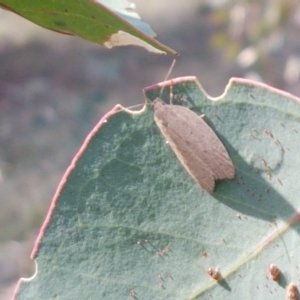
195	144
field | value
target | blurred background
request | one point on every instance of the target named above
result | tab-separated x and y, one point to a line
54	88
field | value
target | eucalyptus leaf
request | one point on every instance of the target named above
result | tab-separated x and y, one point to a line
128	222
111	24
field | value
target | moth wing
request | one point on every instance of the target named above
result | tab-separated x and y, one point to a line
194	165
195	136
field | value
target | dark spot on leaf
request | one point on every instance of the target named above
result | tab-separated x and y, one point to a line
93	17
60	23
106	26
66	11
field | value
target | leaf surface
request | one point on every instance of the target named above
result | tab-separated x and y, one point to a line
128	222
113	23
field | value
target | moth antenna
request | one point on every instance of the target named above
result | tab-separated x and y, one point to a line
170	69
134	106
167	76
161	92
129	108
171	95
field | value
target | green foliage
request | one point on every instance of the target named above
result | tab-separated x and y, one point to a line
128	221
89	20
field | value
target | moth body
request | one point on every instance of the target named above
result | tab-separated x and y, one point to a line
195	144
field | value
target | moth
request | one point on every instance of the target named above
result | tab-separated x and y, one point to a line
194	143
